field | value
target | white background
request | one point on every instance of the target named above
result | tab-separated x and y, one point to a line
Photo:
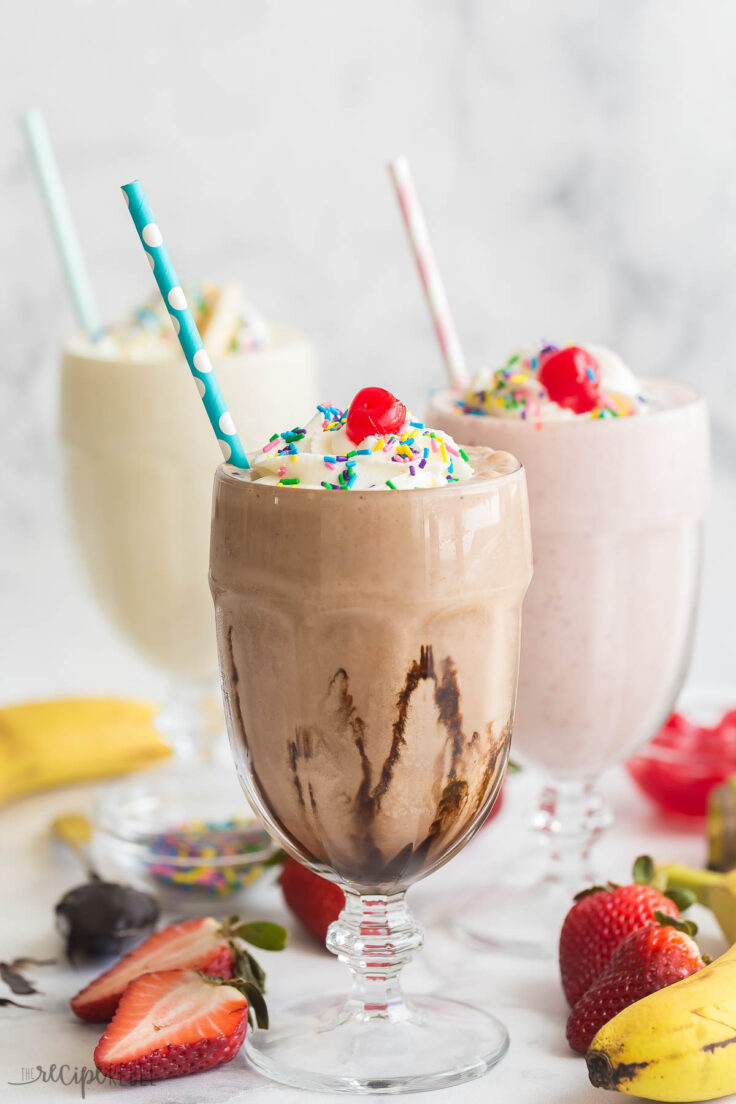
575	158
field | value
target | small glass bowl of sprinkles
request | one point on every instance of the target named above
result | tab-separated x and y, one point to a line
215	858
187	844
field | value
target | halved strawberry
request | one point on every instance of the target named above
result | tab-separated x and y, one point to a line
173	1022
214	947
195	945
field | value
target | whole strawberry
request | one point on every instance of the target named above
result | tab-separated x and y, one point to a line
313	900
649	959
600	920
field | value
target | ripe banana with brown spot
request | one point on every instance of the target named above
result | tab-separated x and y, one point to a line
678	1044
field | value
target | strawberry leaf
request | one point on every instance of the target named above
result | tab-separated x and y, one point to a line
250	970
587	892
681	897
256	1002
15	980
689	927
643	871
263	934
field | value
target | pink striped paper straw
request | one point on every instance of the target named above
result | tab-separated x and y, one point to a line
429	273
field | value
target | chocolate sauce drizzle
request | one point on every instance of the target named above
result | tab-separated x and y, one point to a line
458	803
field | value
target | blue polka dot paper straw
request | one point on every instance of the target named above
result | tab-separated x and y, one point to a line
184	324
62	223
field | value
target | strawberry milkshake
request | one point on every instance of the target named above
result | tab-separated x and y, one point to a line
618	472
368	576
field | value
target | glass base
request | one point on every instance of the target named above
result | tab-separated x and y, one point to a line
422	1043
523	911
521	920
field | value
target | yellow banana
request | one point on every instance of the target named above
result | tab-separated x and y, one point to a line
678	1044
713	889
53	743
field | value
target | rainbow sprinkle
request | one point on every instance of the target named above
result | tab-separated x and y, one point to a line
214	843
515	389
409	448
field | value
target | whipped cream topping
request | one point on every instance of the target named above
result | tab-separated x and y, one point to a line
322	455
227	321
515	390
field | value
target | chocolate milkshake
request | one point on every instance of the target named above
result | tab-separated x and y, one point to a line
368	575
369	640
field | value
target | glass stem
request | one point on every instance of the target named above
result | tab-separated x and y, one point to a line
569	819
375	936
191	719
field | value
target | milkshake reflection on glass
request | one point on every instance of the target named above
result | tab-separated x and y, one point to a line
368	580
618	472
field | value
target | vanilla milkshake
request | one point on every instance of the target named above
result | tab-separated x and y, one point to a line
368	577
618	486
139	459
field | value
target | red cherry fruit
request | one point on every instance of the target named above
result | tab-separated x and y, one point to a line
572	378
374	411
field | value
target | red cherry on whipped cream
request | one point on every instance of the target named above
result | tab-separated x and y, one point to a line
374	411
571	378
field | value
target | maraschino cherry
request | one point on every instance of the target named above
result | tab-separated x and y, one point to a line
571	378
374	411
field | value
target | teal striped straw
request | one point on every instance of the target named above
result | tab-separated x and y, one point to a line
184	325
62	223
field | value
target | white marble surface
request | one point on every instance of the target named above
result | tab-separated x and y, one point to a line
525	994
575	162
573	156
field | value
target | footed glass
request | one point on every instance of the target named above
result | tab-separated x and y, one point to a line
369	646
138	459
617	508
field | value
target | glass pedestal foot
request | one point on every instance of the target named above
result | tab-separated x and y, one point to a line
522	913
520	920
337	1045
